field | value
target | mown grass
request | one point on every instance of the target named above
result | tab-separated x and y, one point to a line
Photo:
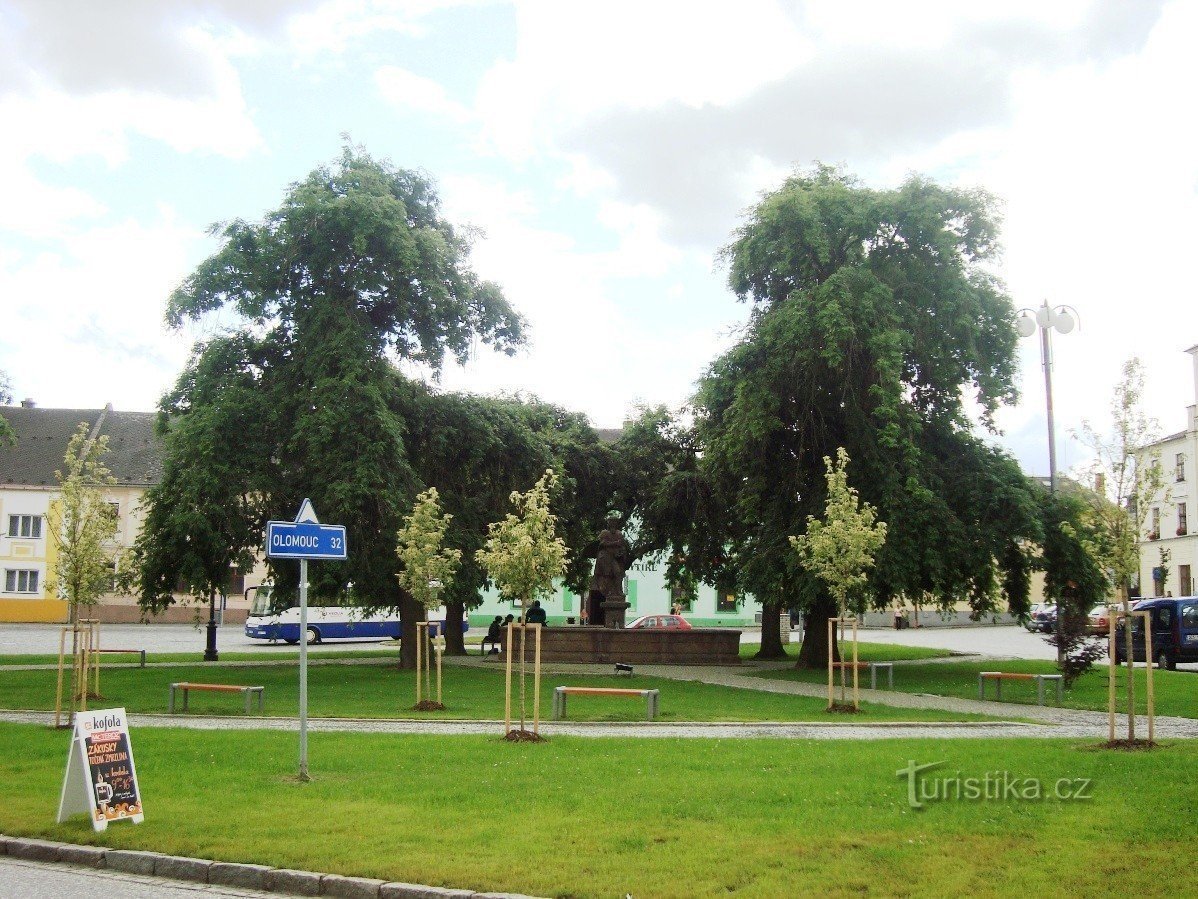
866	652
382	691
662	818
1175	692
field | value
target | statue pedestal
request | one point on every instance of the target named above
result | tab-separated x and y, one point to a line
613	612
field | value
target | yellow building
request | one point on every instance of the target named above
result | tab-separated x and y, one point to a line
28	487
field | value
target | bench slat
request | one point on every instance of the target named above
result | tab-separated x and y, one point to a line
602	691
227	688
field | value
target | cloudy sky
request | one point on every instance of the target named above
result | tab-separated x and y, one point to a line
606	150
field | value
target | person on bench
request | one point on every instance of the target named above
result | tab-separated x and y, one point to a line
536	615
494	634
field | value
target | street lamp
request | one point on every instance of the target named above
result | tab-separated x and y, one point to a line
1063	319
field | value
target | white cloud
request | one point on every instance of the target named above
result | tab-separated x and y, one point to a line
408	91
85	324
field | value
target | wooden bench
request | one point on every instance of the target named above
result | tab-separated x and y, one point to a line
140	652
873	671
999	676
560	694
186	687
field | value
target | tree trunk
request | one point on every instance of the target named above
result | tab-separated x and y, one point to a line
455	640
771	633
410	612
814	651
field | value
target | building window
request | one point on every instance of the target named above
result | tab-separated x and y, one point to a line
1185	583
1156	523
1181	466
20	580
1183	525
682	598
236	582
25	526
726	602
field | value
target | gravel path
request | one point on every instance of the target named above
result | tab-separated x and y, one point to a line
831	730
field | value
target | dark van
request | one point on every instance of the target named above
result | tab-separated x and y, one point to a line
1174	632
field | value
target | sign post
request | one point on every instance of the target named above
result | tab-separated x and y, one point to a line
303	539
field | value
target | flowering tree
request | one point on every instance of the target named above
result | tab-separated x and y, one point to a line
82	524
82	527
1126	473
428	565
840	549
523	555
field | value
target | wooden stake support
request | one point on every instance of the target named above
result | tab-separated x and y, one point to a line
536	676
1117	614
836	628
507	685
85	669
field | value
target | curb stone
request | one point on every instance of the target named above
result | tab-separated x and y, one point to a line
179	867
286	880
260	877
397	890
84	856
350	887
131	861
236	874
34	850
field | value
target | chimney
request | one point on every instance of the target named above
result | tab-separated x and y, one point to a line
28	402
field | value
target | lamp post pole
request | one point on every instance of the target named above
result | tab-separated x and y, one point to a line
1063	319
210	654
1046	360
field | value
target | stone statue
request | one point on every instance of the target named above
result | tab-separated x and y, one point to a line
605	593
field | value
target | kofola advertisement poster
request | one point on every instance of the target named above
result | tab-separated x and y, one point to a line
100	770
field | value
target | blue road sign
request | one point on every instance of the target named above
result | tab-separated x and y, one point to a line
305	540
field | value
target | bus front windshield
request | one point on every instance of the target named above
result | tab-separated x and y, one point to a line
263	604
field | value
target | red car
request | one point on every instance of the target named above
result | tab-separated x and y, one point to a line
662	622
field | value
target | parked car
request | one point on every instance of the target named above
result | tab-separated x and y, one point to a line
1099	620
661	622
1043	618
1174	632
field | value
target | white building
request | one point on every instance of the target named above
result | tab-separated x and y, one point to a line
1170	524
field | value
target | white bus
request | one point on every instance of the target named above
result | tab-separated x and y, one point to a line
267	622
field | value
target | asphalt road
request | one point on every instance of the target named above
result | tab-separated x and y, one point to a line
39	639
38	880
1002	641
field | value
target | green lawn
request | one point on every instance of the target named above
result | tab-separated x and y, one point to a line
661	818
382	691
866	652
1176	692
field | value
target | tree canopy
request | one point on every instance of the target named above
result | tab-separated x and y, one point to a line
874	315
355	270
82	525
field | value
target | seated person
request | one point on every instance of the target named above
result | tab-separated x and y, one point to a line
494	635
536	614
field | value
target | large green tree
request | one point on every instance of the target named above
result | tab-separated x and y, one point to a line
874	316
478	450
355	270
